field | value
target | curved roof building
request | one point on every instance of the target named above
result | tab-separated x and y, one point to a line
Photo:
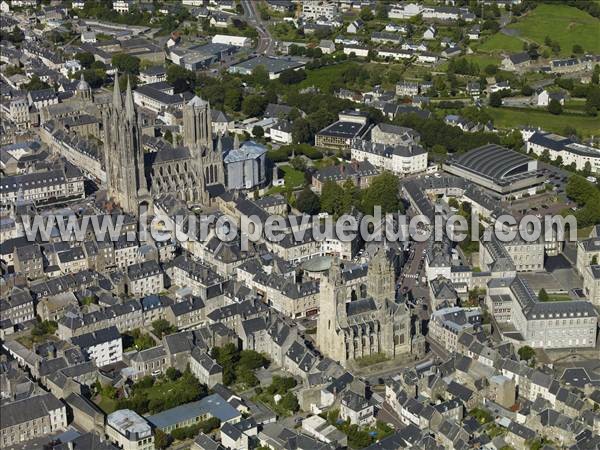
497	168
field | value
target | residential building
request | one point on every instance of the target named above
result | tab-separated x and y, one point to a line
103	346
357	409
359	172
447	324
30	418
205	368
129	430
584	157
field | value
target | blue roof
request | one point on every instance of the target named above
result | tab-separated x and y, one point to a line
214	405
248	150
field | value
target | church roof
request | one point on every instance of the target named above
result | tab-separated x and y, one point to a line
197	101
361	306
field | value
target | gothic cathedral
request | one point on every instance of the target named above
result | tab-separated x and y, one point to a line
187	172
376	323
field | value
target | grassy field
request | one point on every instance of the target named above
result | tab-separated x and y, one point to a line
500	42
512	117
293	178
564	24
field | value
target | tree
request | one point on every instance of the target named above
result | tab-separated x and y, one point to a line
577	49
86	59
126	63
289	402
381	11
161	439
162	327
594	260
233	98
366	14
440	150
168	135
384	192
543	295
526	353
308	202
35	84
258	131
554	107
491	69
254	105
331	197
260	75
180	78
596	74
527	90
581	190
301	131
172	373
496	99
291	76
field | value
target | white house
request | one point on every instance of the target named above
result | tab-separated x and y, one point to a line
430	33
122	6
405	11
327	47
428	58
358	50
281	132
545	97
102	346
355	26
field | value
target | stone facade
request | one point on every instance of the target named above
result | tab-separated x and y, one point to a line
367	326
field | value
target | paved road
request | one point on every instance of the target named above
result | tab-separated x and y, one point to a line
266	44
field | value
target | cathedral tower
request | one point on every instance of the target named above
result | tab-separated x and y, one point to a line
197	123
332	296
381	279
124	157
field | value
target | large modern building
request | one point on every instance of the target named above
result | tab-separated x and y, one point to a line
274	66
351	124
499	169
245	166
552	324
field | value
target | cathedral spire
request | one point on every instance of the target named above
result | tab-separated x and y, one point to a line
117	93
236	141
129	101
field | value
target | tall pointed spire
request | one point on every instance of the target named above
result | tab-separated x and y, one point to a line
236	141
117	93
129	109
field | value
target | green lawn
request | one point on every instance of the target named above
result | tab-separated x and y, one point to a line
500	42
107	405
376	358
513	117
324	76
558	297
564	24
293	178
